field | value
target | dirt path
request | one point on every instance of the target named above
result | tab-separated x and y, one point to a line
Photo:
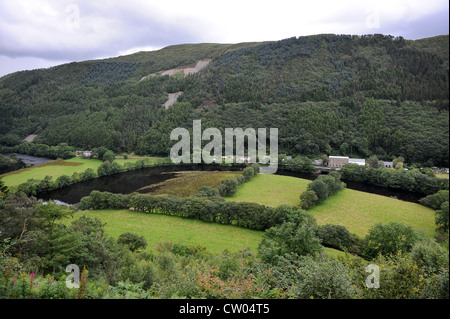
30	138
186	70
172	99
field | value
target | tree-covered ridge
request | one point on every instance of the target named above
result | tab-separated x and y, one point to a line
327	94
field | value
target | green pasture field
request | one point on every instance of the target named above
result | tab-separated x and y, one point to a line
271	190
162	228
357	211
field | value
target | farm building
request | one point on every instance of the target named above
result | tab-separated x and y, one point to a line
337	161
87	153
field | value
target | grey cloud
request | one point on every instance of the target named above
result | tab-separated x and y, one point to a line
427	26
128	28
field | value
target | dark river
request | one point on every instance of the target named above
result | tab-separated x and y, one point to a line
32	160
23	161
132	181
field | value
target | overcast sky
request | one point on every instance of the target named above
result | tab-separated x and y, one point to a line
43	33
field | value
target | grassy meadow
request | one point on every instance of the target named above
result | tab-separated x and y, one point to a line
161	228
357	211
271	190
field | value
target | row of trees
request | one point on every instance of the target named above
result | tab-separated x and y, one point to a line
320	189
229	186
62	150
409	180
35	186
249	215
415	131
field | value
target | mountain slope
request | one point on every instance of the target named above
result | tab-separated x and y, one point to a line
332	94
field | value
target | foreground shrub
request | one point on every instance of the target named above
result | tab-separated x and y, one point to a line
133	241
402	278
335	236
297	235
430	255
323	278
389	239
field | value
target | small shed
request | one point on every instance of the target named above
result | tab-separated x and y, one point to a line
87	153
388	164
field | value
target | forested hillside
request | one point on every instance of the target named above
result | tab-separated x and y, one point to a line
327	94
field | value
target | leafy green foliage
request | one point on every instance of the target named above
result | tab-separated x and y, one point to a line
389	238
132	241
295	269
442	217
409	180
435	201
320	189
308	199
296	235
335	236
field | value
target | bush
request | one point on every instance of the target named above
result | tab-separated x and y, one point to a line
63	180
88	174
429	254
308	199
333	183
228	187
389	239
323	278
207	191
435	201
133	241
402	278
255	167
108	156
335	236
108	168
320	189
240	179
294	236
248	173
